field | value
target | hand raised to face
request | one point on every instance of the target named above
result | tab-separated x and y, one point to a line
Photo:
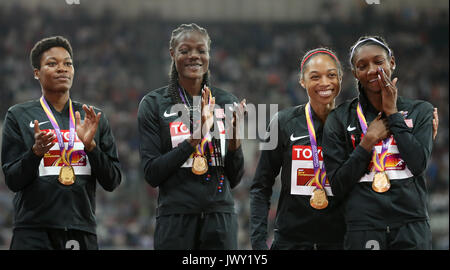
389	92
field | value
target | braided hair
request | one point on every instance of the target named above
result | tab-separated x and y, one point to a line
176	98
173	74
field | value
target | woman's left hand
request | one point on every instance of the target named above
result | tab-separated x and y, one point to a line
87	130
388	92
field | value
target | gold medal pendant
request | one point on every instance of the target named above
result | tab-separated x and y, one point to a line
199	165
381	182
319	199
67	175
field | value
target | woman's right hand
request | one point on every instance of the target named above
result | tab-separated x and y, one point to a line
377	130
207	111
43	141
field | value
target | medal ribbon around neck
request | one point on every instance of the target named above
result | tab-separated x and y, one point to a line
185	101
320	174
200	150
66	155
379	161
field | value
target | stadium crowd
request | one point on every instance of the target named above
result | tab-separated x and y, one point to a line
118	60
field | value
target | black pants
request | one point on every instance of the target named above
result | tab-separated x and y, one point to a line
196	232
52	239
412	236
285	243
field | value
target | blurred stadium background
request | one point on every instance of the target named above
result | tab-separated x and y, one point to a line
121	53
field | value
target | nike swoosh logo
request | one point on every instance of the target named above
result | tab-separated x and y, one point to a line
170	114
297	138
32	123
349	128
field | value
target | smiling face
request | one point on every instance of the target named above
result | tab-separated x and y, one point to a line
191	56
56	71
321	79
366	61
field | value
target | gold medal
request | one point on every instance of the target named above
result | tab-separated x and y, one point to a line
67	175
318	199
381	182
199	165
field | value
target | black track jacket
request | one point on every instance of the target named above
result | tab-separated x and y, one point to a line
296	221
40	200
349	165
167	163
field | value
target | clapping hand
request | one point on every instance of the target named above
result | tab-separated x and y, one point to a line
86	130
43	141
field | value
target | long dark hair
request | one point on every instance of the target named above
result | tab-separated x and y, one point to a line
176	98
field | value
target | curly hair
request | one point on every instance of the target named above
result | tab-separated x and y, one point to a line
46	44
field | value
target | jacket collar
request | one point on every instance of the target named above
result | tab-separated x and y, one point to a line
365	103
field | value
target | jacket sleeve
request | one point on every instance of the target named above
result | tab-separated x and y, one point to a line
415	144
20	165
268	168
104	158
234	166
344	166
157	166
